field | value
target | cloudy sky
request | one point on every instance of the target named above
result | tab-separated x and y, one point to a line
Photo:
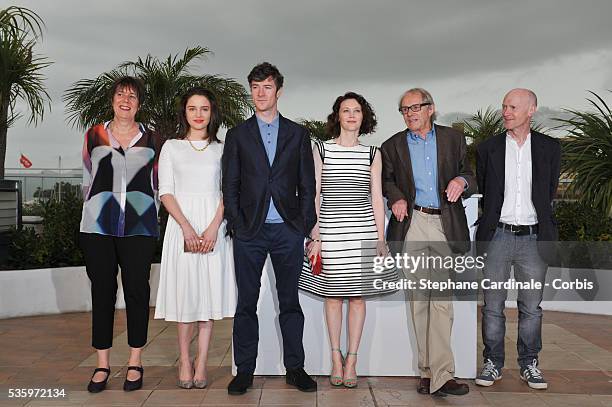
468	53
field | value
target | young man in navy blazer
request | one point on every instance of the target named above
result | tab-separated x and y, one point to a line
268	194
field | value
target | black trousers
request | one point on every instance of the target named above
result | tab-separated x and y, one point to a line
103	254
286	249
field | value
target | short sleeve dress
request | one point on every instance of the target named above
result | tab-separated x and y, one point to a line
194	286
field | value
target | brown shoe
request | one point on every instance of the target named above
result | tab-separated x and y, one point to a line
453	388
423	386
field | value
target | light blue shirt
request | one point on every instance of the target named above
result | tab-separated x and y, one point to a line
269	136
424	158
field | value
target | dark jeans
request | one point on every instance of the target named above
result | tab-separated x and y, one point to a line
286	249
506	250
103	254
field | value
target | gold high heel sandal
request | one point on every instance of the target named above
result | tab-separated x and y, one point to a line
350	382
337	380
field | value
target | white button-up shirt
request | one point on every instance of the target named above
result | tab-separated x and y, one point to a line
518	208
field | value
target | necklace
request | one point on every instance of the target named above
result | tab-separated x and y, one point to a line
198	149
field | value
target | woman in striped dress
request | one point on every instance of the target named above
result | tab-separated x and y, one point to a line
350	228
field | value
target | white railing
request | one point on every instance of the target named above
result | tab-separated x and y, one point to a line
39	183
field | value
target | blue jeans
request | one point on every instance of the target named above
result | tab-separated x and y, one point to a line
505	250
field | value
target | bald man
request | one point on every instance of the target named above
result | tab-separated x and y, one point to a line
518	174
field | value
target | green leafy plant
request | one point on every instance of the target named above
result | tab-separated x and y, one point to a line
21	77
587	155
24	250
584	234
87	101
60	236
316	128
578	221
481	126
57	245
484	124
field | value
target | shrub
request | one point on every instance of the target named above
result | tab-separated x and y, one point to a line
587	154
23	252
60	237
57	246
578	221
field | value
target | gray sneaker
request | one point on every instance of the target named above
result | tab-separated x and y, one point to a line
489	375
533	376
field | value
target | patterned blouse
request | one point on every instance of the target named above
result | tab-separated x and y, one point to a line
120	186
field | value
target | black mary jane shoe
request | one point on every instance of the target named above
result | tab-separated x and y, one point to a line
130	385
97	387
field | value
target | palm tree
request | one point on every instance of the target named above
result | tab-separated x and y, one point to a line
486	124
16	20
587	154
21	77
87	102
316	128
480	127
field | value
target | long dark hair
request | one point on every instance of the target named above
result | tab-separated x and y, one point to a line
368	124
215	118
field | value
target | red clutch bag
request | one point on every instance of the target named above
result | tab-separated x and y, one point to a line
315	262
315	265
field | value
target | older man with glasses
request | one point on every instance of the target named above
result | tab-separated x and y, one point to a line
425	173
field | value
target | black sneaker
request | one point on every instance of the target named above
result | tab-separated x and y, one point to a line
240	384
489	375
533	376
300	379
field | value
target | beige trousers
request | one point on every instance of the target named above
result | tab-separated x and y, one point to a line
432	317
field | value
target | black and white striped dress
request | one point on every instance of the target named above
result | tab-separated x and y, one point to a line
347	226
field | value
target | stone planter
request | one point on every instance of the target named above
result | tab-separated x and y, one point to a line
53	291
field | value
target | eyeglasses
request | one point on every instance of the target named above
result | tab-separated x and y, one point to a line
415	108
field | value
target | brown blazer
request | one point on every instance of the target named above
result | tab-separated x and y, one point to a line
398	183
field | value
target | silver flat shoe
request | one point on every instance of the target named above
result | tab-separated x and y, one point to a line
200	384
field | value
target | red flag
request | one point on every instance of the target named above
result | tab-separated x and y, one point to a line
25	161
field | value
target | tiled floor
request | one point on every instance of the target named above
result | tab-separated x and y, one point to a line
53	352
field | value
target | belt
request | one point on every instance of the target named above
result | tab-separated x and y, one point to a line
429	211
519	230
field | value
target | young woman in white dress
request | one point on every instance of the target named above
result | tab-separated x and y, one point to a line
197	283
